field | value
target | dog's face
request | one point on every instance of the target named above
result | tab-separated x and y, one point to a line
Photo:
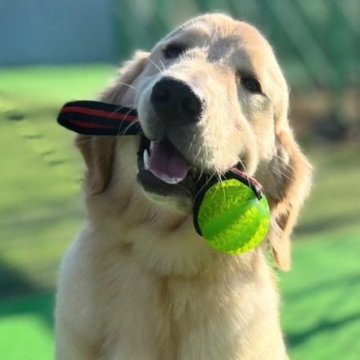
208	99
210	96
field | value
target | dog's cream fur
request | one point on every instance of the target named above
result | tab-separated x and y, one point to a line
139	283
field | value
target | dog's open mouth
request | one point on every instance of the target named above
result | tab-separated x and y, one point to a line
165	162
163	170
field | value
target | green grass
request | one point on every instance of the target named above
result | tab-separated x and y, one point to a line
25	327
40	202
321	299
41	211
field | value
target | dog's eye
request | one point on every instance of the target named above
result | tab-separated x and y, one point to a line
173	51
251	83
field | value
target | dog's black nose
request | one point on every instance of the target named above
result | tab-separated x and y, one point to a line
175	101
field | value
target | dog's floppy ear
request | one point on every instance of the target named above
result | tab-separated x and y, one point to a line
291	179
98	151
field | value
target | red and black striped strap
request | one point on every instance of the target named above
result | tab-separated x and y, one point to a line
98	118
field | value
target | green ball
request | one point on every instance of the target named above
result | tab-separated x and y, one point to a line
231	218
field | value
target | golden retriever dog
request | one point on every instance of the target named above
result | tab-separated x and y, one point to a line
139	283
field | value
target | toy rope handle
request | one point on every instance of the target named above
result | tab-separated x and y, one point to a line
98	118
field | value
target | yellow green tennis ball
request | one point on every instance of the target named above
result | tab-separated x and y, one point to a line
231	217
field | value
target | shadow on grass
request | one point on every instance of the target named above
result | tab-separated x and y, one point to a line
298	338
328	224
20	296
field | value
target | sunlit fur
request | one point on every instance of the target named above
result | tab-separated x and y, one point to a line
139	283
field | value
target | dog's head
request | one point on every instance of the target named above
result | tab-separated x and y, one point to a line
210	96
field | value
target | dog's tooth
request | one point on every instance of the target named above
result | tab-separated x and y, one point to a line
171	180
146	158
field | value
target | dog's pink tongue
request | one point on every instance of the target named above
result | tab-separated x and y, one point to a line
166	163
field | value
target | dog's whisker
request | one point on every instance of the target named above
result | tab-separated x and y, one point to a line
245	170
192	142
220	177
200	175
204	185
124	131
127	85
162	64
199	152
131	108
156	65
283	174
282	162
283	168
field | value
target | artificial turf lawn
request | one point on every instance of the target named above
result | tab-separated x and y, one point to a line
41	211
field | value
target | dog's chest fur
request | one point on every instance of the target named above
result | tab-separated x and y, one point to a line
139	314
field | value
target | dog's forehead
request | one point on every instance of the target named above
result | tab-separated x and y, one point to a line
221	37
216	28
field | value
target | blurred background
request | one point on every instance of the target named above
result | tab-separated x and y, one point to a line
54	51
